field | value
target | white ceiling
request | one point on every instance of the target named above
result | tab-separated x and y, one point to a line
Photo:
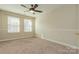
19	9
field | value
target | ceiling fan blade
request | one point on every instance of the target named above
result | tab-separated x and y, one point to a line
38	11
32	5
35	6
24	6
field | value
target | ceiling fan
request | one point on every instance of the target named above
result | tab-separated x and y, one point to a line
32	8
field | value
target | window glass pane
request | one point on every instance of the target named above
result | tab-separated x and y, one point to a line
27	25
13	24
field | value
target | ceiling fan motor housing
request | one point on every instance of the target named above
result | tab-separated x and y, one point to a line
32	9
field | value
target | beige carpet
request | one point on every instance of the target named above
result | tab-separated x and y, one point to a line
34	46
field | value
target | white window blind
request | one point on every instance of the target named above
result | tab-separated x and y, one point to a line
27	25
13	24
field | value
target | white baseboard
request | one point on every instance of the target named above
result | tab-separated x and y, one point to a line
15	38
65	44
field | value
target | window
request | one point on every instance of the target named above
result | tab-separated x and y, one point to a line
13	24
27	25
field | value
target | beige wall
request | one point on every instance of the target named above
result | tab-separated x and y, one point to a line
0	26
59	25
5	35
77	25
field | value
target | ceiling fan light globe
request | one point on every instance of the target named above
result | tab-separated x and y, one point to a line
31	11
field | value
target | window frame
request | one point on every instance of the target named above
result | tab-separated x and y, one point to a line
18	28
31	26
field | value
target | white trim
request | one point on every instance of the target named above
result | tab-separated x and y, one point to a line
65	44
16	38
